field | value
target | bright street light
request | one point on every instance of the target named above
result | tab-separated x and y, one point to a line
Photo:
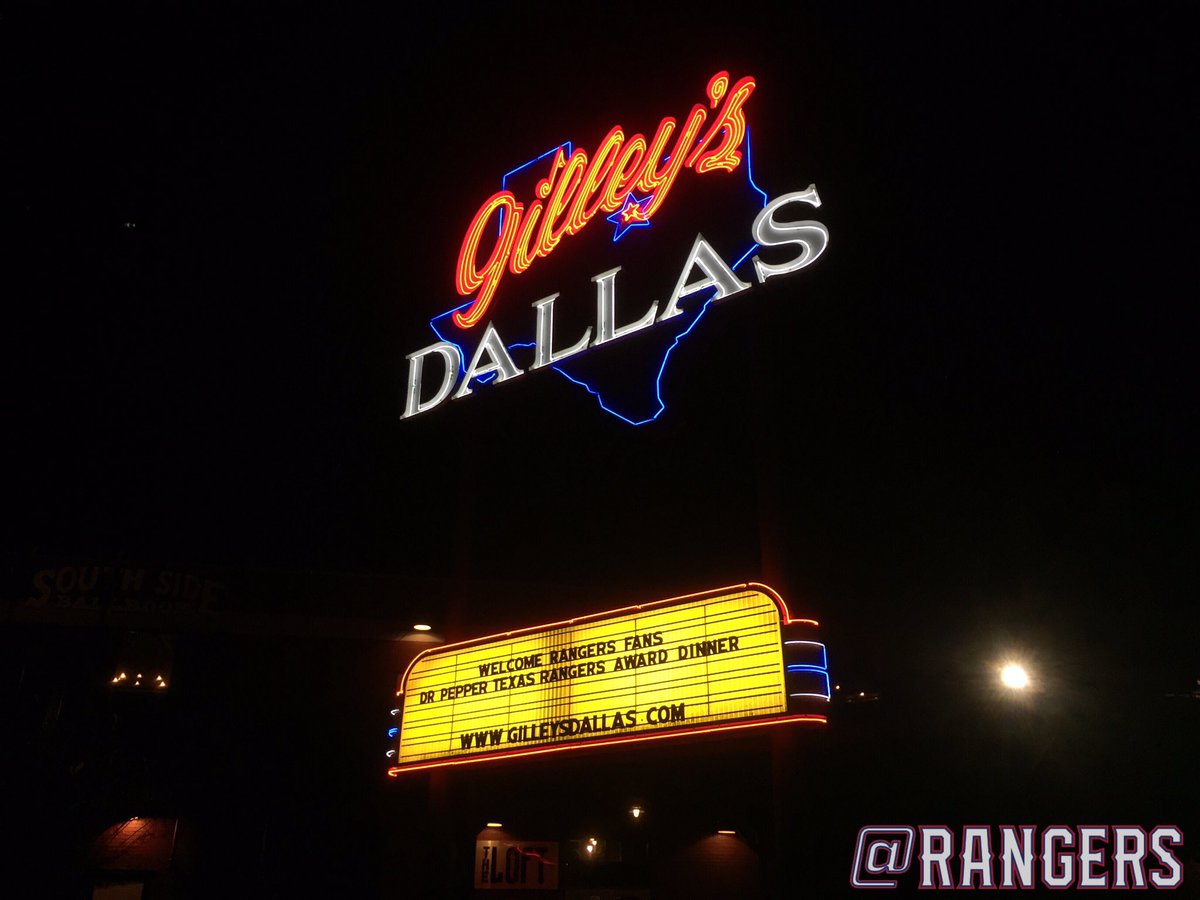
1014	676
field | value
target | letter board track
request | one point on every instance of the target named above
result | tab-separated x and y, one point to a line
690	663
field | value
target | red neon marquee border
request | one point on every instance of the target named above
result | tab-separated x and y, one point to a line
786	618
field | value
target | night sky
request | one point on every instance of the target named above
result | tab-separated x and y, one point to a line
967	430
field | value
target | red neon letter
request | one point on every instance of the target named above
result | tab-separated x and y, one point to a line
730	125
650	178
624	173
606	156
560	201
469	278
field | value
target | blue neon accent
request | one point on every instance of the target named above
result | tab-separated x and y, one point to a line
392	732
462	356
824	652
816	671
462	365
822	669
742	258
662	406
750	170
595	393
491	376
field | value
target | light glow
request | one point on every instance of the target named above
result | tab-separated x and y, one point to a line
1014	677
802	684
631	215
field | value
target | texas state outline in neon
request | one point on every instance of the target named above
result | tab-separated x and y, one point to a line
684	332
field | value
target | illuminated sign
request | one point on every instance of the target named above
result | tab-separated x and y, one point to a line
725	659
627	180
516	865
576	189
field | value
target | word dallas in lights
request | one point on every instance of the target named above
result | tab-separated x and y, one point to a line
770	229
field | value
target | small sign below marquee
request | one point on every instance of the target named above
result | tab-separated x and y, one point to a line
719	660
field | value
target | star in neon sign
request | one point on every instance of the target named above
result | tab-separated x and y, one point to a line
630	215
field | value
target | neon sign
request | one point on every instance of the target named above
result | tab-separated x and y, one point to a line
706	662
628	179
576	189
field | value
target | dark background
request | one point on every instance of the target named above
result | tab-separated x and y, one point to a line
966	433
